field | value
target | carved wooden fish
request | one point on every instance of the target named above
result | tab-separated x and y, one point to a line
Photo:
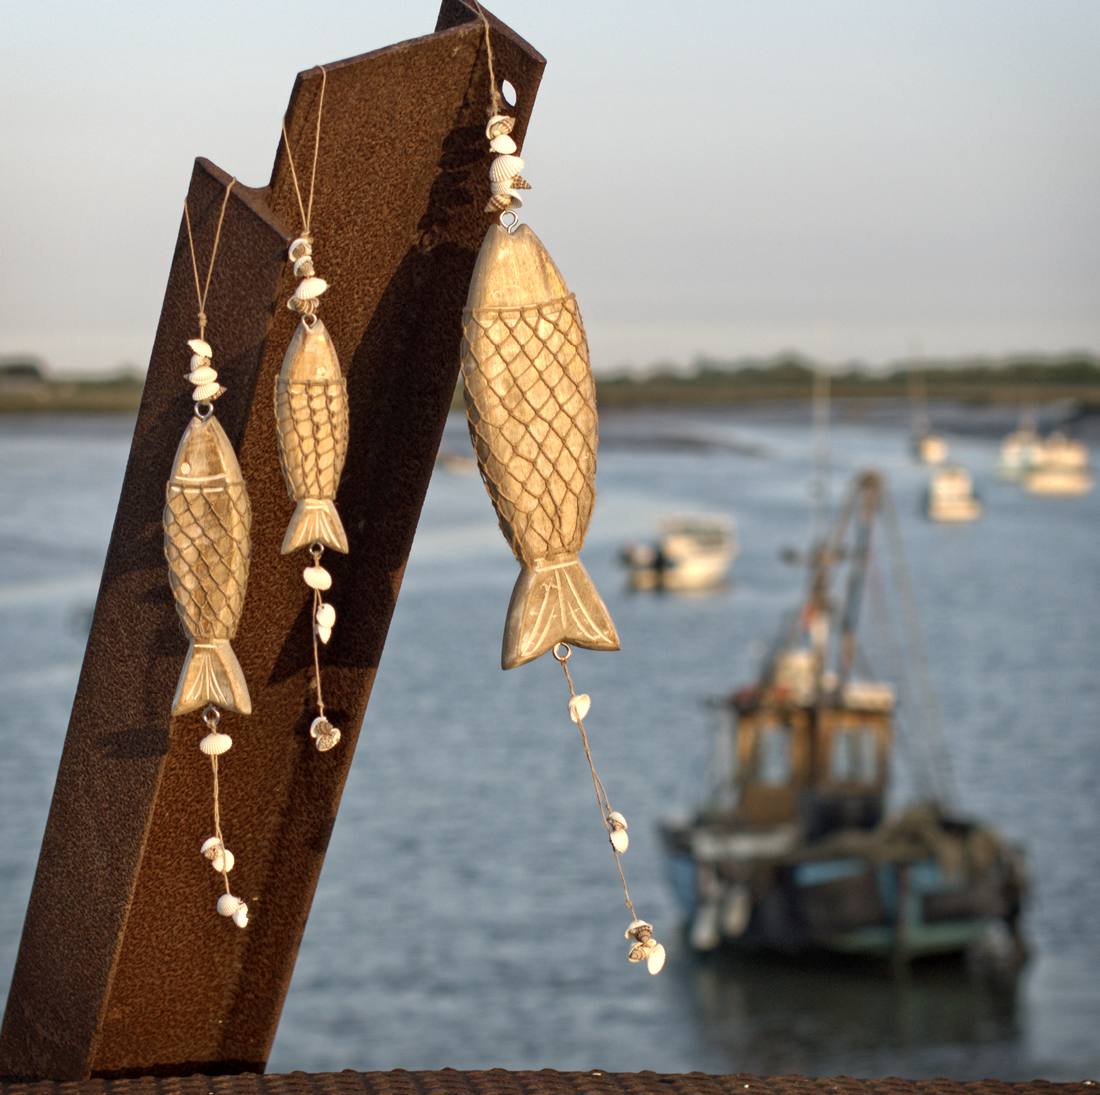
311	414
531	408
207	517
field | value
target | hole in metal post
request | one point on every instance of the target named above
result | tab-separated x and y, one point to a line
509	92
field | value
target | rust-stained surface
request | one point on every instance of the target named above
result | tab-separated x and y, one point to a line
123	967
545	1082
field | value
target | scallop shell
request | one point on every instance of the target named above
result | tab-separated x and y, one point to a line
326	615
579	706
200	346
325	735
502	145
303	245
619	840
203	374
205	392
310	288
223	861
216	743
505	168
656	960
228	904
240	917
498	125
316	577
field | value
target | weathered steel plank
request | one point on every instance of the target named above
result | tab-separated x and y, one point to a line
123	968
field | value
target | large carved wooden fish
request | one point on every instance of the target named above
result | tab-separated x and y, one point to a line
311	414
531	407
207	517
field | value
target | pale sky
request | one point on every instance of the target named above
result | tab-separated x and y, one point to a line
848	178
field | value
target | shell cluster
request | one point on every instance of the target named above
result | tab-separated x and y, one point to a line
325	735
202	375
235	908
616	829
504	172
644	947
307	294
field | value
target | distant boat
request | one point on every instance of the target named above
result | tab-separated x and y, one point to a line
691	553
792	850
1061	468
929	448
1020	452
950	496
926	446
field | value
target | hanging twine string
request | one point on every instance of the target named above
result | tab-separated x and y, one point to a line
496	103
212	716
306	208
316	551
562	653
202	292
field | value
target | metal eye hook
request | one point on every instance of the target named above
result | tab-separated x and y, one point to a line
509	226
204	410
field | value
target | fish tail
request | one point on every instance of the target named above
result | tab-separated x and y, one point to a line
555	603
315	521
211	674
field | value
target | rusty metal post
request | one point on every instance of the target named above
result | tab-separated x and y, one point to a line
122	968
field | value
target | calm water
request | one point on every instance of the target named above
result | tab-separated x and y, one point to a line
468	915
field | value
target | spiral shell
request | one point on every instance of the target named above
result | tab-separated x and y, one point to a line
499	125
199	361
639	930
303	245
505	168
303	267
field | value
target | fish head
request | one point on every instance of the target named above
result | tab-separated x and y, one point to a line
311	356
514	270
204	455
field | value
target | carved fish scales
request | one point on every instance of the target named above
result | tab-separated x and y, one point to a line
207	519
531	409
311	414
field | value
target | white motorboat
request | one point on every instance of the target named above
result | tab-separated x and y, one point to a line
951	496
691	553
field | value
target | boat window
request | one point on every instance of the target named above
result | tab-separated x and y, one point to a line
855	756
773	755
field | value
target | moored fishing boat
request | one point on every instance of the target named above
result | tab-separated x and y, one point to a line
691	554
793	849
950	496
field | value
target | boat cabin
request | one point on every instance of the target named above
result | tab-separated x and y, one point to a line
822	766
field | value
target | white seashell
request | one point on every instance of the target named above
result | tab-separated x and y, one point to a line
240	918
200	346
503	145
203	374
199	361
619	840
210	846
636	953
656	960
303	245
499	124
505	168
326	615
617	820
206	391
216	743
223	861
324	734
303	268
310	288
324	633
579	706
316	577
228	904
638	928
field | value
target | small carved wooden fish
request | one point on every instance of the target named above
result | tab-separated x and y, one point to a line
531	407
311	415
207	517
